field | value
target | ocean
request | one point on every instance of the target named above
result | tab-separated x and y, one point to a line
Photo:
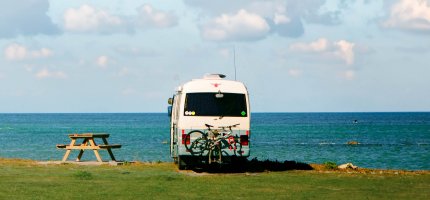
386	140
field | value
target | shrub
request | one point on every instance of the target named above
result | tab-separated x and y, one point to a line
330	165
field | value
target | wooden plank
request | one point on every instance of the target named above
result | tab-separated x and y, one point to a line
80	136
110	146
66	155
96	152
80	155
111	154
81	152
105	141
89	135
82	147
101	135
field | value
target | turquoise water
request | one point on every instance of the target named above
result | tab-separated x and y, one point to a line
387	140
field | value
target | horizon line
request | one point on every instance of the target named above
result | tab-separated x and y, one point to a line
251	112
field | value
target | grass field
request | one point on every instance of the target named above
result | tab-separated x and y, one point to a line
21	179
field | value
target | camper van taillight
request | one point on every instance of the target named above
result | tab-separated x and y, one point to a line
184	137
244	140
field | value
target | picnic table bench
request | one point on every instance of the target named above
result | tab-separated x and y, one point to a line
88	143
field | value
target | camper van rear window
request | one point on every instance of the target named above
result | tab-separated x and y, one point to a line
215	104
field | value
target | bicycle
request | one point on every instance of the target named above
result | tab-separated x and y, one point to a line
214	141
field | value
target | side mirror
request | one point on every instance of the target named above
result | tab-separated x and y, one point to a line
170	101
169	111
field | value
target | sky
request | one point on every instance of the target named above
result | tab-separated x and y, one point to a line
293	55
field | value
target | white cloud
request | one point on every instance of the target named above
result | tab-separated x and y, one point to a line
89	19
19	52
317	46
345	51
285	17
102	61
241	26
15	52
341	49
150	17
409	15
281	19
45	73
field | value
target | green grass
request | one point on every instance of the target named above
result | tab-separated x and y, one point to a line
27	180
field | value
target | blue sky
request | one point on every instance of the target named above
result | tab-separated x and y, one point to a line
294	56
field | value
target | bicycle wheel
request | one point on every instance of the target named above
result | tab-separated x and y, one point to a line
236	146
232	145
197	142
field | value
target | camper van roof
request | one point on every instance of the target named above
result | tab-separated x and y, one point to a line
213	83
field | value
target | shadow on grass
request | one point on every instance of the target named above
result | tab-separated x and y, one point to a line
253	165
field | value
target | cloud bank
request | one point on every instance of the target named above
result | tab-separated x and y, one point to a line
241	26
149	17
25	17
341	49
87	18
254	20
16	51
410	15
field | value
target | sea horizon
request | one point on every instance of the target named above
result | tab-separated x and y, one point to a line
251	112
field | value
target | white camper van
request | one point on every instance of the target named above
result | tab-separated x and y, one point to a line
209	121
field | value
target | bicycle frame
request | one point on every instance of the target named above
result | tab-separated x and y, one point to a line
214	142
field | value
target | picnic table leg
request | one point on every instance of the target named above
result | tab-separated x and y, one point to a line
109	149
84	143
96	152
66	155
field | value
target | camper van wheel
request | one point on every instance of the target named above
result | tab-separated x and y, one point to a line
181	163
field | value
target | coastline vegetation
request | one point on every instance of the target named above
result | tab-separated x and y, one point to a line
26	179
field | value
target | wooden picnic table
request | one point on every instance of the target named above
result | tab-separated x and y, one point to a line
88	143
